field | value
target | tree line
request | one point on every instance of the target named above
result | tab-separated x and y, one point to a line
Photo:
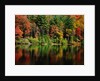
59	29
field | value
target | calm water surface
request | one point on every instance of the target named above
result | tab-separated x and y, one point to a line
49	55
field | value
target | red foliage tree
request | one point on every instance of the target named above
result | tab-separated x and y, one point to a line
18	55
18	32
77	16
22	24
79	33
54	29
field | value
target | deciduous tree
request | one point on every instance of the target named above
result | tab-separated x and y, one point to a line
22	24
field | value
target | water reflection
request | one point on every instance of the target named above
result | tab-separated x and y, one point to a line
49	55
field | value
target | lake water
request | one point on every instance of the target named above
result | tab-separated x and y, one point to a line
49	55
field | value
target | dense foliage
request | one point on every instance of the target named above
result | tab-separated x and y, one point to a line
49	29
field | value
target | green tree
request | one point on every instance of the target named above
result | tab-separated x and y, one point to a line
43	24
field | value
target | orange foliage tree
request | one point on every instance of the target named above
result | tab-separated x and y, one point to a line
18	32
22	26
53	30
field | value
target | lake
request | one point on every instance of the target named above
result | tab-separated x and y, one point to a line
49	55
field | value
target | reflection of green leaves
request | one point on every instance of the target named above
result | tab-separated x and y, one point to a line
64	47
43	50
32	47
70	56
82	42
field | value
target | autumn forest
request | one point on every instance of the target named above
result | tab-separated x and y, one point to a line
49	39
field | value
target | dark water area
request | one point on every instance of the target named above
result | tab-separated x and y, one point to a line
49	55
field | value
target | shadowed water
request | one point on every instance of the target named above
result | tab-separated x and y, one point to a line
49	55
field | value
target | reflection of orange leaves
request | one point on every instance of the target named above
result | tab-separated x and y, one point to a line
22	58
27	57
53	59
74	56
18	55
36	51
60	54
79	56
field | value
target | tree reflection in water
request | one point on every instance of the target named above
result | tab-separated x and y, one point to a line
49	55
